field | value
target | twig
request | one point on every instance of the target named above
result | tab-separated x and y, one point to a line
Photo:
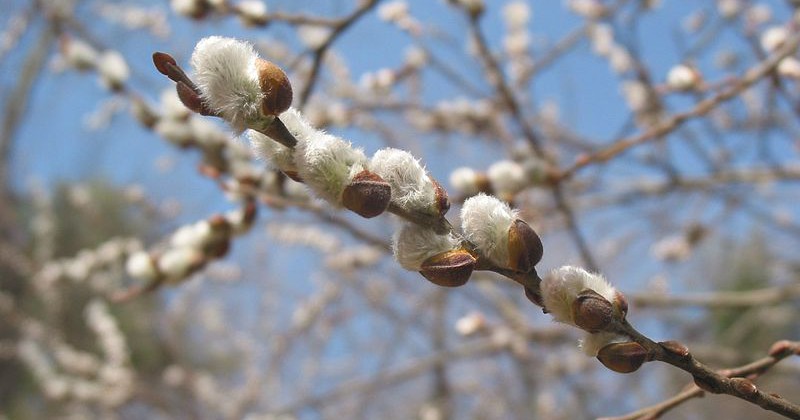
705	106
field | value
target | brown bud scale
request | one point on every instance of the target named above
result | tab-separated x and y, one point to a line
592	312
525	248
276	88
367	195
623	357
442	201
450	268
161	60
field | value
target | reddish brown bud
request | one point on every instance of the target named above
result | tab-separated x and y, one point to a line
442	201
744	386
525	248
161	61
675	348
592	312
450	268
623	357
276	88
368	195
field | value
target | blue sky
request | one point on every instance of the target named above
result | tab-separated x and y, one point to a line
54	143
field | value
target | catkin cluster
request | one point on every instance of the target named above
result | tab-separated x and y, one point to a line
234	83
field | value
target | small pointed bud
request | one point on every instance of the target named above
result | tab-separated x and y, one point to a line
591	311
744	386
276	88
525	248
783	348
442	201
623	357
449	269
675	348
161	61
705	385
367	195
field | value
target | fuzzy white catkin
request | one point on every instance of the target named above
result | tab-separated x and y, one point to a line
195	235
228	79
728	9
507	177
278	155
516	14
172	107
79	54
176	263
772	38
561	287
206	132
470	324
255	10
591	9
189	8
113	69
300	128
327	164
485	221
313	36
413	244
682	78
141	266
789	67
465	181
602	37
175	131
412	189
393	11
